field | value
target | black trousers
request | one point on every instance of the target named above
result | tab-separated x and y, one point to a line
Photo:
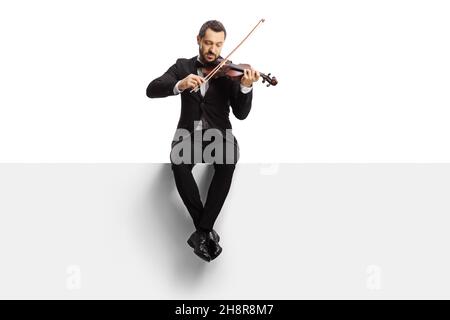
205	216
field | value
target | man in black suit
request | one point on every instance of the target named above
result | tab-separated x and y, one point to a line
205	115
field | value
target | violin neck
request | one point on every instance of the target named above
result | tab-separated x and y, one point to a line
230	65
264	76
238	68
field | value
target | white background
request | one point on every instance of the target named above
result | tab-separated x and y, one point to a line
358	80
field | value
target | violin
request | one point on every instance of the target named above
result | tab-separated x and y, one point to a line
235	71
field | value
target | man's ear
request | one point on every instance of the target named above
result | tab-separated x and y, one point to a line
198	40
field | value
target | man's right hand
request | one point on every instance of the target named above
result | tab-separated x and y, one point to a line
191	81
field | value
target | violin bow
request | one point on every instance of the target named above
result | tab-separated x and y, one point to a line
216	69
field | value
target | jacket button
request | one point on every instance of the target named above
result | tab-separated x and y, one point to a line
202	104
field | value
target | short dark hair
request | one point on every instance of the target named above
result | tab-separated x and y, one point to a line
214	25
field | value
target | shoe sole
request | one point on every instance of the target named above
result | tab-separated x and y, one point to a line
202	257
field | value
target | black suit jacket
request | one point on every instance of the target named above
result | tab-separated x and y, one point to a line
221	94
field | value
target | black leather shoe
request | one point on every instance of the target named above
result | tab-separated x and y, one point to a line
214	248
200	241
215	235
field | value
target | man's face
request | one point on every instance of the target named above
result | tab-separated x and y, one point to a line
210	45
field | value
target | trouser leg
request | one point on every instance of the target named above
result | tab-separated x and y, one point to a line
188	190
217	193
221	183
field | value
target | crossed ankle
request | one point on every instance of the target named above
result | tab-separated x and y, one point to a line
201	229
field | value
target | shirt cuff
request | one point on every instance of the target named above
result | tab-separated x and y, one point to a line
175	88
245	89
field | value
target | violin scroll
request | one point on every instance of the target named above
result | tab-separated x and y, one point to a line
271	81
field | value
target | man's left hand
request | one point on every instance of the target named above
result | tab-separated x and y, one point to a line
249	77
